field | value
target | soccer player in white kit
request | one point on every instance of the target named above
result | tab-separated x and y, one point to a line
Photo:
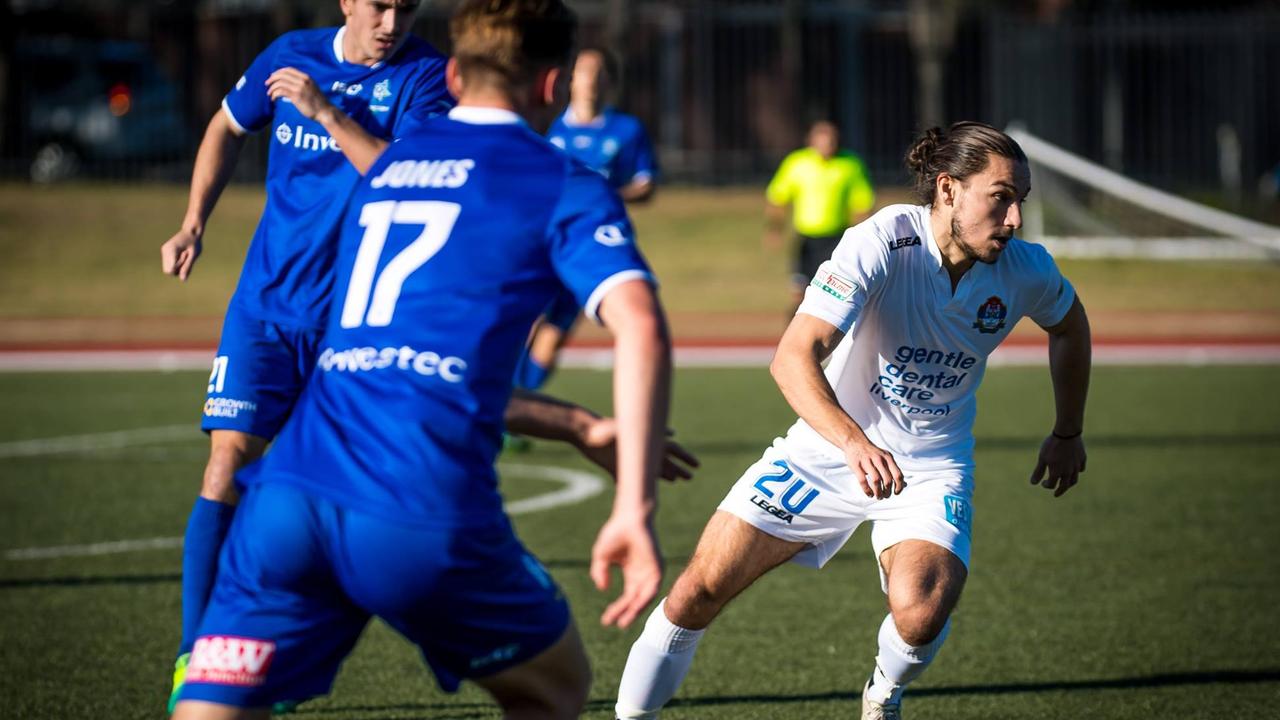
907	310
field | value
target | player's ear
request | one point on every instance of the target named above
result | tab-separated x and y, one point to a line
348	7
945	189
453	78
548	86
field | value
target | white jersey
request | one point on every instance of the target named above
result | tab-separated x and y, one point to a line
914	353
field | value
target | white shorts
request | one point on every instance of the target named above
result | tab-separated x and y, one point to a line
818	500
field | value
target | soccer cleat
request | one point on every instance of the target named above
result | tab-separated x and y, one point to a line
179	676
285	707
872	710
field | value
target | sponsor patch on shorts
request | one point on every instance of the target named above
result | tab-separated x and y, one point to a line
837	286
226	660
958	512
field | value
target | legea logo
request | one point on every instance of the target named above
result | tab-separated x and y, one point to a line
299	138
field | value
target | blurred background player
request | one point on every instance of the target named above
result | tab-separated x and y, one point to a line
380	494
323	93
828	190
613	144
907	309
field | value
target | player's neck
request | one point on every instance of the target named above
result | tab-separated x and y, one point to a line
954	258
585	112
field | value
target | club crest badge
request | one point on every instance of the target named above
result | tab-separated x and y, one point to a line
382	90
991	315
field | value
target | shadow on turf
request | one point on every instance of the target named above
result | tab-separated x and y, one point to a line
1211	677
478	710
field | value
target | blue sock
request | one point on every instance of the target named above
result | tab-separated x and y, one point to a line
529	374
206	529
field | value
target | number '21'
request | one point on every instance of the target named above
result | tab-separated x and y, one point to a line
437	219
789	497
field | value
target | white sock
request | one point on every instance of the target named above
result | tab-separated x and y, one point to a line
898	663
658	662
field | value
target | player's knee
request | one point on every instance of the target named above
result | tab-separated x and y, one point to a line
562	695
919	625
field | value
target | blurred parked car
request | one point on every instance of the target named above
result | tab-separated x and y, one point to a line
96	107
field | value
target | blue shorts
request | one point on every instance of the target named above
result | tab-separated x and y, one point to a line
563	311
258	374
300	577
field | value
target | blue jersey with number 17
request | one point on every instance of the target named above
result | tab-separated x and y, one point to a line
451	247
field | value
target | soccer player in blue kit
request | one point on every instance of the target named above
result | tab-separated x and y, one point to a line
613	144
323	94
380	496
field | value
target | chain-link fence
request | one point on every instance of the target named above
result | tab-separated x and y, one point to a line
122	90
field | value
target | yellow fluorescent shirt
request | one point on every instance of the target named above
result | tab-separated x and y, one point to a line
824	194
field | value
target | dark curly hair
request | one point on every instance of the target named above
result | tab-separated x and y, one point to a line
960	151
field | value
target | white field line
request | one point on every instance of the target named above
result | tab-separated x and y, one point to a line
689	356
98	442
578	486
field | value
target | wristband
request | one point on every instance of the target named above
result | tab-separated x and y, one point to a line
1066	437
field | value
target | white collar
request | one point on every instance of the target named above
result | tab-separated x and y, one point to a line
476	115
342	58
571	120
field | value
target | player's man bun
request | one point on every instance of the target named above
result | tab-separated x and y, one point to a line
960	151
509	41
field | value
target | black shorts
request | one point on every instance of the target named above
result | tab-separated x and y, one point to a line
810	253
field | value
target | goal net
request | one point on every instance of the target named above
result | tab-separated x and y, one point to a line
1080	209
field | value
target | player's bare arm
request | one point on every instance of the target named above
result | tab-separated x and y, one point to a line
537	415
215	160
360	148
642	387
1062	454
775	221
797	368
638	190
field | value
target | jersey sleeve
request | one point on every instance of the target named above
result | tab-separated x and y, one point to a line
862	197
430	98
1056	293
248	106
782	188
843	284
593	247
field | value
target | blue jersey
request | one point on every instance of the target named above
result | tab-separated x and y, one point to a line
287	275
451	247
614	145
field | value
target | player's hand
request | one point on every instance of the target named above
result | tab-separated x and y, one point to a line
599	445
630	543
1060	464
876	470
178	254
298	88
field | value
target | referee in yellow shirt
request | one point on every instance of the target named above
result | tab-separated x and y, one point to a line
828	191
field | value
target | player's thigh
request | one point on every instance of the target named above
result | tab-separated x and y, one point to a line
258	373
277	626
553	684
229	450
474	600
198	710
923	539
